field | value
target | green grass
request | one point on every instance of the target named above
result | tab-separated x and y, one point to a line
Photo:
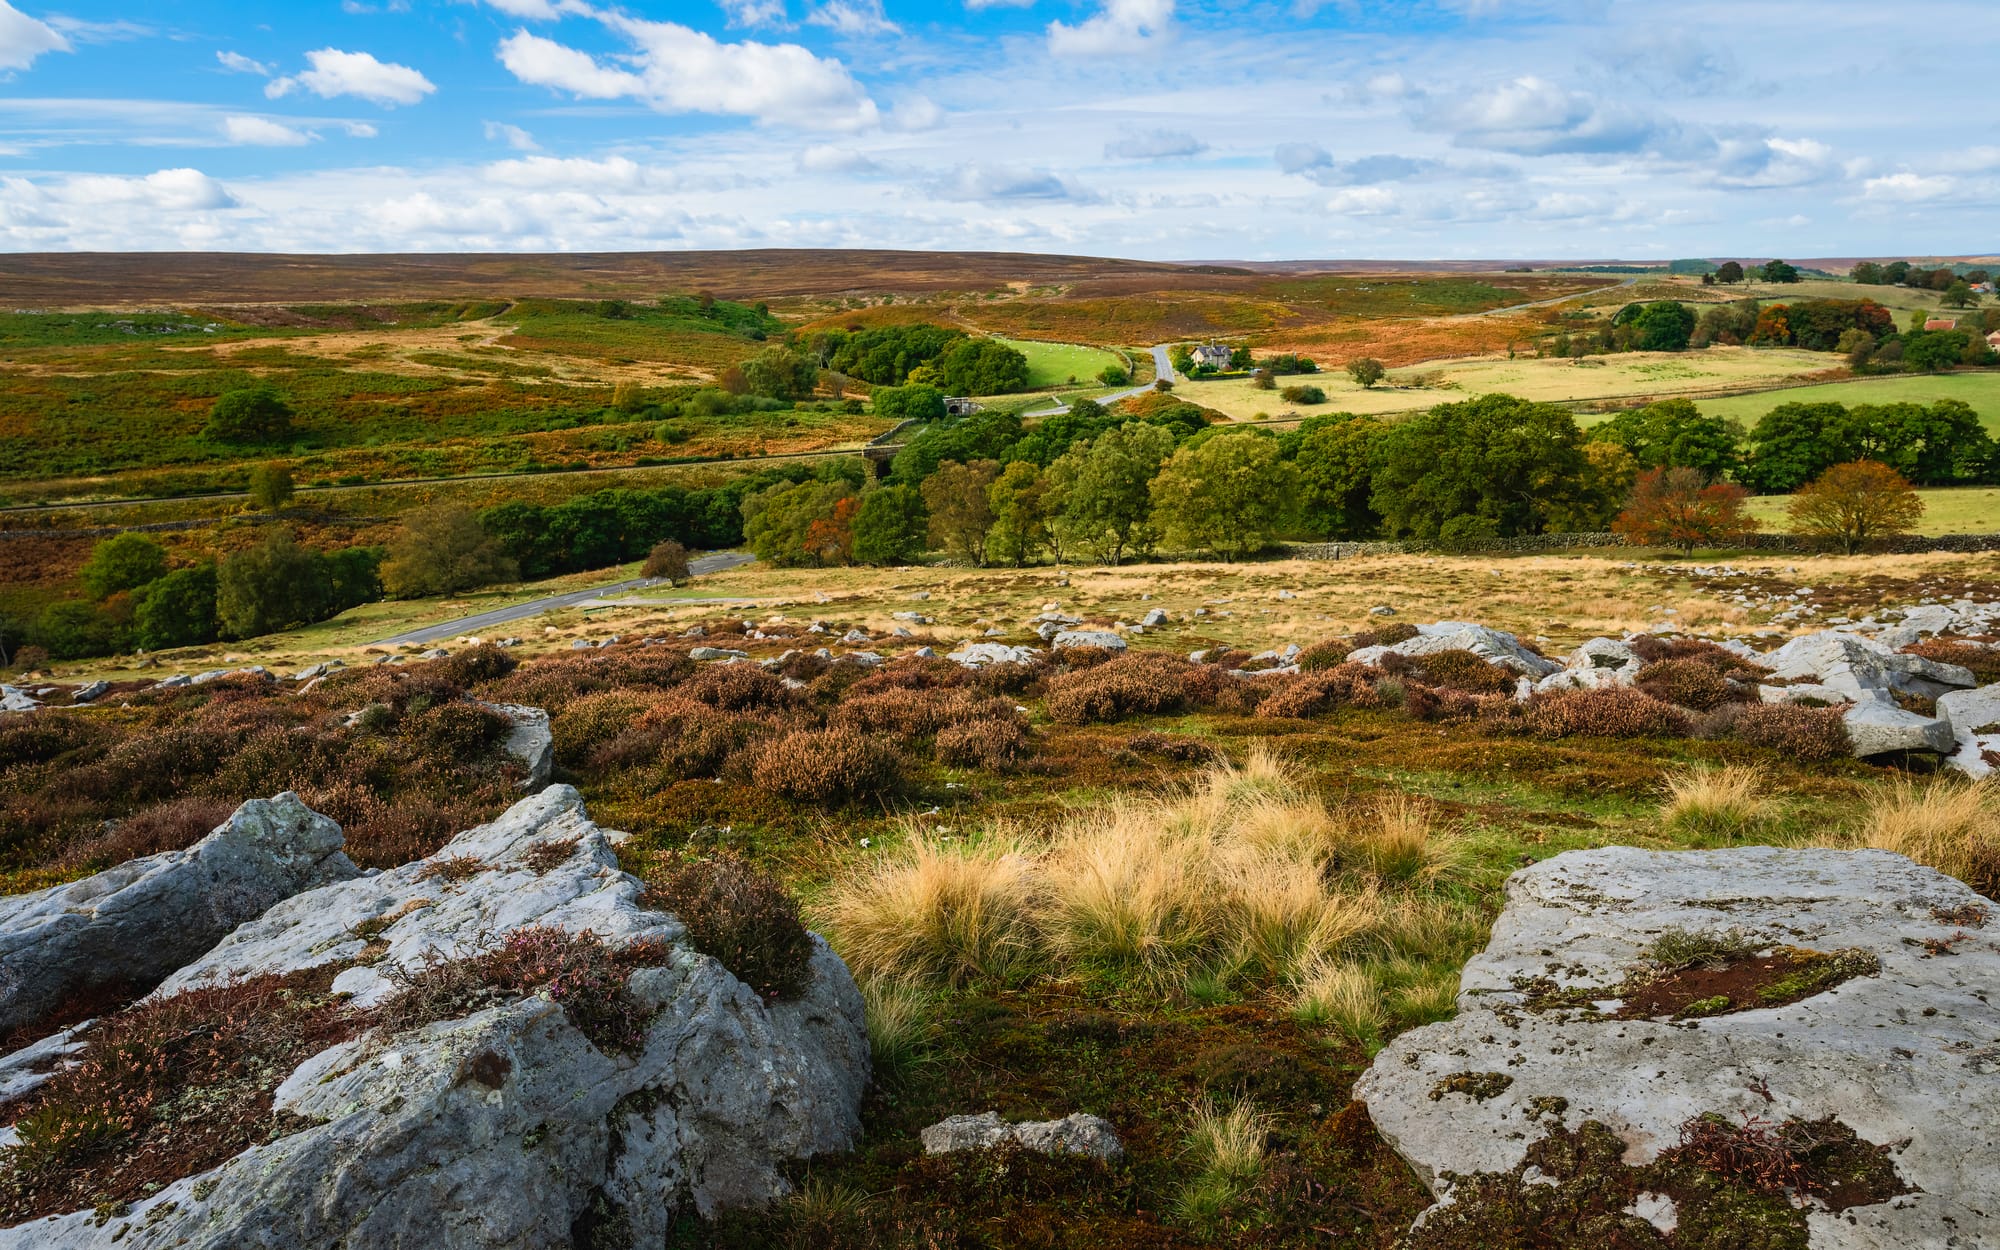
1980	388
1960	510
1054	364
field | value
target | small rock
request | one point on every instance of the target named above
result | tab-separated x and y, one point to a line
1154	619
1381	609
716	653
1076	1134
90	693
1088	638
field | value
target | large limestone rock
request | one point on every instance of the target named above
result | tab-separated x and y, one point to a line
1974	716
136	923
529	740
1861	668
980	654
1597	664
1875	727
1104	638
1908	1057
1492	645
508	1128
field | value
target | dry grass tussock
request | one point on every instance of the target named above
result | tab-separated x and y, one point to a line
1952	826
1246	871
1725	802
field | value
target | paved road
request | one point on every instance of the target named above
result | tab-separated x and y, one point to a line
483	621
1162	368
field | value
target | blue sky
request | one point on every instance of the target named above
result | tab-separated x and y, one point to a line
1166	129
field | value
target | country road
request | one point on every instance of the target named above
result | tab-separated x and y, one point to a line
481	621
1162	368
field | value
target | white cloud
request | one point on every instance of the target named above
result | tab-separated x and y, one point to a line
1006	182
360	130
825	158
535	10
1309	160
263	132
1123	26
23	38
853	17
237	63
337	73
170	190
1362	202
1153	145
1909	188
1531	116
757	14
513	136
679	70
612	173
1773	162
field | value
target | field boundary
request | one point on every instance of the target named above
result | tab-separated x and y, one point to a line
1529	544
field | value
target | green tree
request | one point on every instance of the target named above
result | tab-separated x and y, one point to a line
1674	433
1778	271
1853	503
178	610
274	585
1944	444
1335	477
1099	491
960	514
251	415
981	436
778	372
123	562
441	551
1114	375
1230	494
778	520
72	629
1018	498
1664	326
1793	444
1609	472
1181	357
980	367
271	486
909	403
1934	351
1729	273
1498	458
1366	370
1958	295
1867	273
890	526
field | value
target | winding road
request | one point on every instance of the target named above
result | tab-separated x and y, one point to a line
481	621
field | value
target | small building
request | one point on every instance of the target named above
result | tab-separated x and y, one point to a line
1940	323
1211	356
959	406
1994	339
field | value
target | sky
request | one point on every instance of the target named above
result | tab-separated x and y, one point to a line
1155	129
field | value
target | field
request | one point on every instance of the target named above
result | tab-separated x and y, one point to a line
1628	378
1965	510
1055	364
1980	390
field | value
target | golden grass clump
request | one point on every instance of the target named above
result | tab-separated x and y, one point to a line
1227	1147
1340	995
899	1023
937	910
1725	802
1952	826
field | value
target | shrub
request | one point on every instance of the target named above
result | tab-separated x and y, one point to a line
1424	703
1386	636
1006	677
1612	713
1463	670
171	826
1652	649
914	673
1310	694
44	736
917	713
994	745
589	722
1691	683
668	562
1794	731
743	917
1174	747
827	765
688	739
553	683
456	732
476	665
737	688
1326	654
577	971
1131	685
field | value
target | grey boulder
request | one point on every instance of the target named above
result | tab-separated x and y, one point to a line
980	654
1975	724
1860	668
1088	638
1076	1134
1492	645
529	740
1878	727
136	923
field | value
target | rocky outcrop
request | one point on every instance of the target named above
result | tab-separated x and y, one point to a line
1861	668
1875	728
1595	665
508	1127
1492	645
133	925
1882	1021
1104	638
1974	716
529	740
1076	1134
980	654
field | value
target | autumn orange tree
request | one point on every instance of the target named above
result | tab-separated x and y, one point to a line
1853	503
1671	507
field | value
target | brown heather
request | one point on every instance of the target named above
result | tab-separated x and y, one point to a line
1691	683
994	745
1313	693
1614	713
1793	730
740	915
827	766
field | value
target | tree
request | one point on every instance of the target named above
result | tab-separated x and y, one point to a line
1867	273
1664	326
272	586
1793	444
667	562
443	550
1335	477
1857	345
830	538
1113	375
1366	370
1181	357
253	415
910	403
1778	271
1018	499
779	372
271	486
1504	459
123	562
960	514
1934	351
1264	380
178	610
1303	394
1230	494
1852	503
981	436
980	367
1609	472
890	526
1240	359
1958	295
1098	491
778	520
1674	432
1675	507
1729	273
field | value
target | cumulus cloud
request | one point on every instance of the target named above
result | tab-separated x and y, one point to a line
1309	160
853	17
1909	188
23	38
359	74
1006	182
615	173
263	132
1154	145
513	136
1363	202
757	14
680	70
169	190
1531	116
1773	162
1122	26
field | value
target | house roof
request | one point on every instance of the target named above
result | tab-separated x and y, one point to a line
1940	323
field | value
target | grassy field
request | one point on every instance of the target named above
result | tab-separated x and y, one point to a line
1963	510
1980	389
1629	377
1055	364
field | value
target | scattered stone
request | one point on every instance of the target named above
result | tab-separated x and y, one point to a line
435	653
138	922
1381	609
717	653
529	740
1903	1055
1154	619
1088	638
853	637
1598	663
1863	669
1975	726
1076	1134
90	693
1875	727
980	654
695	631
1492	645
